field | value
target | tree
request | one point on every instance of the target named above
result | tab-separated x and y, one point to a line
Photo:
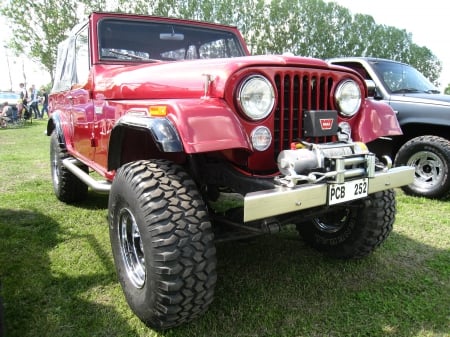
447	89
363	37
304	27
38	27
426	62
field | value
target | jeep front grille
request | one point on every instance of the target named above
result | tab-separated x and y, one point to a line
298	92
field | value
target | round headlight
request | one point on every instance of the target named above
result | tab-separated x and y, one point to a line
348	98
256	97
261	138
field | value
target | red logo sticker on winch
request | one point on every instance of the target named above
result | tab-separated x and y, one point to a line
326	124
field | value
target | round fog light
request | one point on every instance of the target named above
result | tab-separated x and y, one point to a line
261	138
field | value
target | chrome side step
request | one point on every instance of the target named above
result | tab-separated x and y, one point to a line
99	186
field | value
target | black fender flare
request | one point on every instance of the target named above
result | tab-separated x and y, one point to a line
54	124
161	130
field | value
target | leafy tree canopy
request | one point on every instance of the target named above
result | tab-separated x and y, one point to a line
311	28
38	27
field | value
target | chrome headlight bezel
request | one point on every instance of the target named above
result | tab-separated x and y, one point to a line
348	98
256	97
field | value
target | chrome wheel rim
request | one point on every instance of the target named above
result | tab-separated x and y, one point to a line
429	169
131	248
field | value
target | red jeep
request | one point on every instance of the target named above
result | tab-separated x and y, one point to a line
175	115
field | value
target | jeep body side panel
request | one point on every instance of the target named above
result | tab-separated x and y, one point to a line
222	129
94	122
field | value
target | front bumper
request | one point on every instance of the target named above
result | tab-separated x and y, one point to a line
282	200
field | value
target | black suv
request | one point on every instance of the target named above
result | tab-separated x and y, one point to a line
424	116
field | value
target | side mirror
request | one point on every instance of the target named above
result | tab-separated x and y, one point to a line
372	89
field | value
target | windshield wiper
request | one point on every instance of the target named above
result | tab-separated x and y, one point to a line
432	91
133	56
405	90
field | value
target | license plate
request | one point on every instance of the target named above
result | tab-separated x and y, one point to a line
350	190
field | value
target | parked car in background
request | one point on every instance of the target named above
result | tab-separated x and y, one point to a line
424	116
172	114
11	97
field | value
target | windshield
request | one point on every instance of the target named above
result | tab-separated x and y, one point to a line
401	78
143	41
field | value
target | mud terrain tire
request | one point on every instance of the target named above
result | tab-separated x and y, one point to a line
162	243
353	230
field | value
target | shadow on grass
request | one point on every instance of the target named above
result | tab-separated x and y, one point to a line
94	201
276	286
36	298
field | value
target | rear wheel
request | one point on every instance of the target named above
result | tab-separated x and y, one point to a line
353	230
430	155
66	185
162	243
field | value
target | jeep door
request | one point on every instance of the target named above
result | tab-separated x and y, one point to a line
82	110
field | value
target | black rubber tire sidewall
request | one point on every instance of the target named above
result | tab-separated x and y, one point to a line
439	147
171	218
70	188
369	223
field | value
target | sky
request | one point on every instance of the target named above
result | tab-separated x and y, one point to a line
427	21
13	67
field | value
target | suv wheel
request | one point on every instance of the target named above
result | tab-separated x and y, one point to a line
353	230
430	155
66	185
162	243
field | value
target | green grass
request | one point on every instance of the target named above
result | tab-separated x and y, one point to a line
58	277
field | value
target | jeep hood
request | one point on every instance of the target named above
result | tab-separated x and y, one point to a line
186	79
422	98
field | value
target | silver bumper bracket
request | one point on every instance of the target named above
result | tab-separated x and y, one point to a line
281	200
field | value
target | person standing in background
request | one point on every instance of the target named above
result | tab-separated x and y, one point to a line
23	99
34	102
44	103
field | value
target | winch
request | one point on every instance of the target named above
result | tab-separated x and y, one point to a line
314	162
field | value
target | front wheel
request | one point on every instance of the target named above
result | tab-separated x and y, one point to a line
162	243
352	230
430	155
